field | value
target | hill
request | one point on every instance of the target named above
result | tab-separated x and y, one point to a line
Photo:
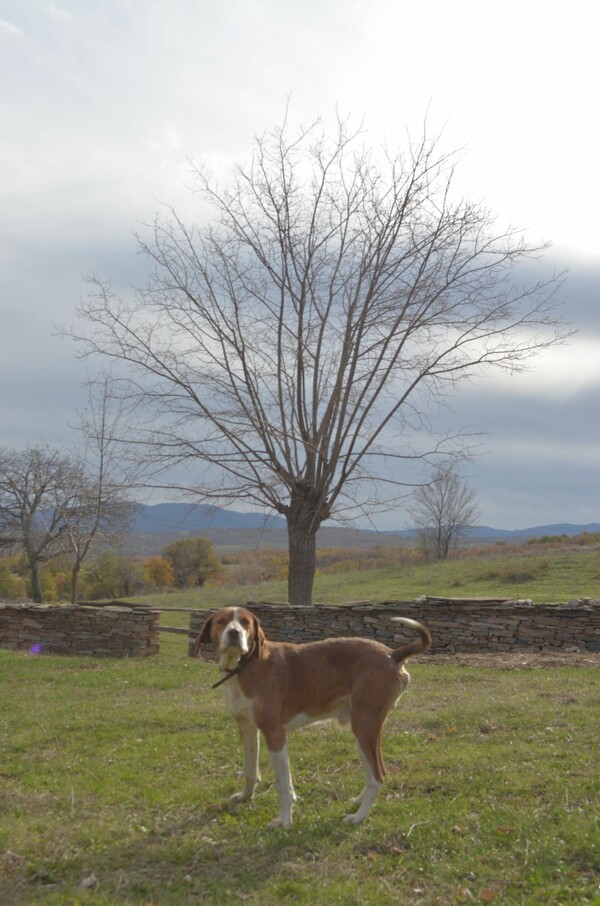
155	526
185	518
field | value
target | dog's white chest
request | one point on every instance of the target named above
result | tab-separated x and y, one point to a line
239	705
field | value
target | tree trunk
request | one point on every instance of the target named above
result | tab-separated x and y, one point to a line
305	513
303	563
74	583
36	582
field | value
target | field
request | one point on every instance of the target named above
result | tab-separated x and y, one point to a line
115	774
115	777
545	575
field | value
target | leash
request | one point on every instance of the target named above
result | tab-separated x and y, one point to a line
241	664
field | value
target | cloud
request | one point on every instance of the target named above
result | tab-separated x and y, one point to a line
9	28
58	12
104	104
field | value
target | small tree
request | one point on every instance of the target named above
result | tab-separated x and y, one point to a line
194	560
100	508
443	510
36	486
54	503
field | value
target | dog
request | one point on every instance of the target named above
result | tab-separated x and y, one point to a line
274	687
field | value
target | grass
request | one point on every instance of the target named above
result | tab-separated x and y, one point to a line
557	576
122	769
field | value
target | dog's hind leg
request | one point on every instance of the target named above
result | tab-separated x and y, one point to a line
251	747
368	739
368	796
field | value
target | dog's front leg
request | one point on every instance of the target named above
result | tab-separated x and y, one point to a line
285	787
251	748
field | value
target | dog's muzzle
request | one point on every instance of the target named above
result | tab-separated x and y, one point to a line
233	637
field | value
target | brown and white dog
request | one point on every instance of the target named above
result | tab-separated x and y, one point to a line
273	687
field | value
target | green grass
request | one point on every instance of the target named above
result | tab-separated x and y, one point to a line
123	769
554	577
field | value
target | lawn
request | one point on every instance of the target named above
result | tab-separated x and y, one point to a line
115	777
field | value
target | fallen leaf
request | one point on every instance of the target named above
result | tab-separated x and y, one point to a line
487	894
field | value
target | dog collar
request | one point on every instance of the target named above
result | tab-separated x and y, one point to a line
229	673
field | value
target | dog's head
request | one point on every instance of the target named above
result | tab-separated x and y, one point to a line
234	632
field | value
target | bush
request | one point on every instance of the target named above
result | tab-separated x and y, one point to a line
158	573
13	587
250	567
114	576
193	561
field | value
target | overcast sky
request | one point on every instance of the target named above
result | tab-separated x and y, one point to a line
103	102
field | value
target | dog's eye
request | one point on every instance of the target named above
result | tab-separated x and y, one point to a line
221	622
245	622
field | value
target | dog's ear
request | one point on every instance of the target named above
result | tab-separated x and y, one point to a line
259	637
203	637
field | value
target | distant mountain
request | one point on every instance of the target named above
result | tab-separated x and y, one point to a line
484	532
184	518
163	522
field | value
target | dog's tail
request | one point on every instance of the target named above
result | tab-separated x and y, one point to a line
418	646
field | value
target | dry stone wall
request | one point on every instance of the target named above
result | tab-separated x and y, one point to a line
53	629
465	625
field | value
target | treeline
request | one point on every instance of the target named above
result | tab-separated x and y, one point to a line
585	539
186	563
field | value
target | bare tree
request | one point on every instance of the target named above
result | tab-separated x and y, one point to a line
443	511
54	503
100	507
32	483
280	353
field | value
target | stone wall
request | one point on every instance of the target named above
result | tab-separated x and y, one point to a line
53	629
456	625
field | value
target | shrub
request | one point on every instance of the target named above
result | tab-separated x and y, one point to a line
13	587
114	576
193	561
158	573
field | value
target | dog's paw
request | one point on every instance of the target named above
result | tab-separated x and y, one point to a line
240	797
280	822
356	818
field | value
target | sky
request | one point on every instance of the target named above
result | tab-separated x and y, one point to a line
103	103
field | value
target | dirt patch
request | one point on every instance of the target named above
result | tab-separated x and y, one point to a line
513	660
